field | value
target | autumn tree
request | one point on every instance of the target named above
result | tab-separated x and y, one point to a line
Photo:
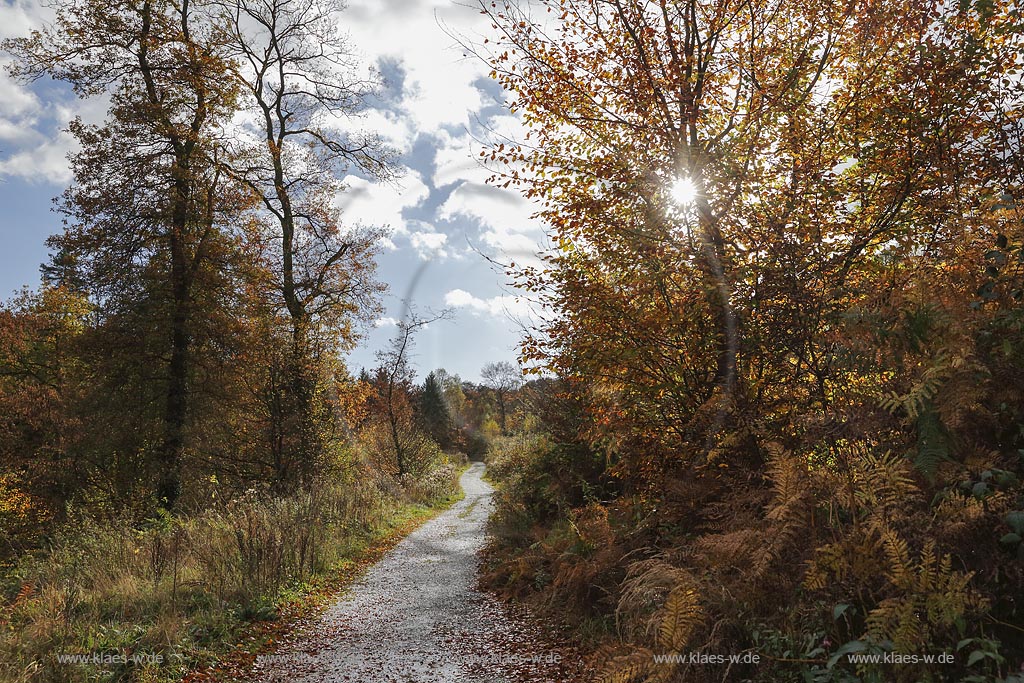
393	379
503	379
40	383
814	140
454	395
148	203
301	87
771	222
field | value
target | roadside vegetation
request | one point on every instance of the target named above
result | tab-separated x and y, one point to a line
783	329
175	592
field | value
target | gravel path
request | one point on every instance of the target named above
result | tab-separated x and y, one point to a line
417	616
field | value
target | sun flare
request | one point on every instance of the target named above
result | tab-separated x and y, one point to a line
683	191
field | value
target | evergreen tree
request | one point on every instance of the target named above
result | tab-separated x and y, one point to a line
435	416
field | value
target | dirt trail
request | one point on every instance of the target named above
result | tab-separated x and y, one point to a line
417	616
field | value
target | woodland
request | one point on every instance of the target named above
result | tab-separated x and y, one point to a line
775	404
787	341
183	450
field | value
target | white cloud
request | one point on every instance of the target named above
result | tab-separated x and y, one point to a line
429	243
29	153
438	89
381	204
394	129
39	147
505	215
495	306
15	99
45	161
456	160
386	321
491	206
11	130
21	16
514	245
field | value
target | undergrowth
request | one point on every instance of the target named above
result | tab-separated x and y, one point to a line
151	601
797	569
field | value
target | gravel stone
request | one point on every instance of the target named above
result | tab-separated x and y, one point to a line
417	616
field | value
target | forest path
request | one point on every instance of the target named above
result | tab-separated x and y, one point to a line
417	616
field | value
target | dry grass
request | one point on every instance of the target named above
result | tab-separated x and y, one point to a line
181	588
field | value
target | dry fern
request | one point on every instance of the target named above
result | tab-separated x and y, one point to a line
666	599
915	401
681	617
632	668
930	595
882	484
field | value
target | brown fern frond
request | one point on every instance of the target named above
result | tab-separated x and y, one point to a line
898	555
882	483
733	549
630	668
681	616
648	583
788	474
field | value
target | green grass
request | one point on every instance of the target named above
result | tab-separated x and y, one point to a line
465	513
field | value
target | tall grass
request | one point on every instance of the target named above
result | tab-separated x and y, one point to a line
174	590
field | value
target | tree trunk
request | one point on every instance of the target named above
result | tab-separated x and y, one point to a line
176	413
719	297
301	381
393	424
303	388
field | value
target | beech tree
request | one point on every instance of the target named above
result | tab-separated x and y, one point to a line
502	378
301	89
812	141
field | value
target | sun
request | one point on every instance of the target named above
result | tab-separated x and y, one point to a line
683	191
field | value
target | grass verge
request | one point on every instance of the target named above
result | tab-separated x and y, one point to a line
175	598
297	608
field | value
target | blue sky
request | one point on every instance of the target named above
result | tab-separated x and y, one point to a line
437	108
